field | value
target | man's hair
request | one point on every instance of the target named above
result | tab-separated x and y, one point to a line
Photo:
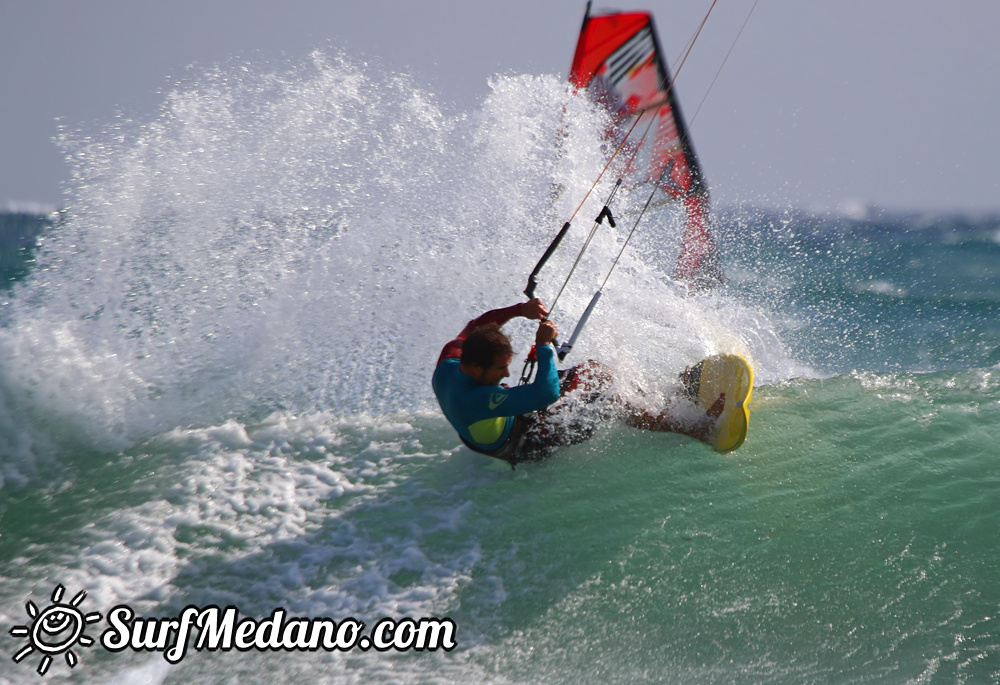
483	345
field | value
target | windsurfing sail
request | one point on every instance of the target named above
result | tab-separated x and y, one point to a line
618	61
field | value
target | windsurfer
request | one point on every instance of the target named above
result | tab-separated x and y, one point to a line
525	422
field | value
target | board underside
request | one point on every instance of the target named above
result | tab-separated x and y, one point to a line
729	375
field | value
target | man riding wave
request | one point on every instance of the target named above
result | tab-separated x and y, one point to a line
525	422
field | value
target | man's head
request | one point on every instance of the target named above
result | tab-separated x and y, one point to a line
486	355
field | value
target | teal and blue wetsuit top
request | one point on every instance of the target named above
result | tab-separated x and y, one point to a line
484	415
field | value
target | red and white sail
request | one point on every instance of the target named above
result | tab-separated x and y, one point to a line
619	62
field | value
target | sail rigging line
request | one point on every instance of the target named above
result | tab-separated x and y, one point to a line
690	46
607	166
565	348
724	60
532	278
628	238
605	212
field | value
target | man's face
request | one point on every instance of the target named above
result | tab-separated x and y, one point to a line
496	373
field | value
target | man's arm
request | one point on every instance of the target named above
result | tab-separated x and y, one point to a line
533	309
522	399
537	395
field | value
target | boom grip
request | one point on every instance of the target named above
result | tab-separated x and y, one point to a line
532	279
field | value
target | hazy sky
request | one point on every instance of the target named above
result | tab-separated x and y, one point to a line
823	103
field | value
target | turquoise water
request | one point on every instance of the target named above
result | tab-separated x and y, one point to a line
215	390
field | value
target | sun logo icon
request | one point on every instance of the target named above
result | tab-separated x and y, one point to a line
55	630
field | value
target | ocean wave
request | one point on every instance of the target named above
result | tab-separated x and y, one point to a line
307	238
